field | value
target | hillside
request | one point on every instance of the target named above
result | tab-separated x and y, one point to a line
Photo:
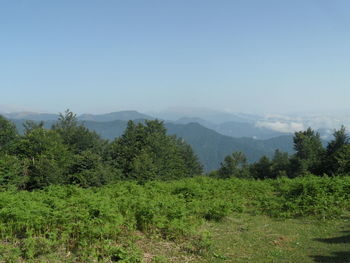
235	128
212	147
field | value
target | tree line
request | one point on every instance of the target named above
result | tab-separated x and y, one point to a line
310	157
69	153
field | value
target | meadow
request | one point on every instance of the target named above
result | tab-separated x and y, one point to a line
197	219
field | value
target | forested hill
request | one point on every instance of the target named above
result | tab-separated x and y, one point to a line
210	146
236	128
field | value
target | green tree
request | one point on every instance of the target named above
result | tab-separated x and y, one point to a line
309	152
32	125
77	137
262	169
234	165
280	165
47	158
89	169
192	163
12	172
146	146
335	152
342	160
143	167
123	150
8	134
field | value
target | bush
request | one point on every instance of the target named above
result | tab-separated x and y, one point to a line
323	197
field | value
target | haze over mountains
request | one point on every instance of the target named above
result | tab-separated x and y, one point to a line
213	135
234	125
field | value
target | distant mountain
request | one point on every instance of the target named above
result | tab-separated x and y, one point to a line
210	146
31	116
187	120
208	115
120	115
235	129
239	129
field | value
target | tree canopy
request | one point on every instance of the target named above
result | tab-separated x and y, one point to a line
146	152
69	153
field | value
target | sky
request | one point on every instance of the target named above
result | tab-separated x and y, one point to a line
249	56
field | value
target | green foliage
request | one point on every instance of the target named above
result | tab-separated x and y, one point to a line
280	164
337	153
101	224
96	215
46	157
29	126
342	160
323	197
262	169
76	136
191	161
309	152
234	165
145	152
310	157
8	134
210	146
88	169
12	172
69	153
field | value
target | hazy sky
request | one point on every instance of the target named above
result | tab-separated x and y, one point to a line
244	56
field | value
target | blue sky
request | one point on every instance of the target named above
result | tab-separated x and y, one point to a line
238	55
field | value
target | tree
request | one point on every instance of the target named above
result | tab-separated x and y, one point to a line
146	152
47	158
234	165
192	163
12	172
89	169
309	152
342	160
123	150
8	133
32	125
280	165
77	137
262	169
335	151
143	167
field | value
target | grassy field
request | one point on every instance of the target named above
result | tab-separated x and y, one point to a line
247	238
191	220
258	238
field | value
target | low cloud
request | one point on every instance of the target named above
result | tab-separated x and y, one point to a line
287	127
289	124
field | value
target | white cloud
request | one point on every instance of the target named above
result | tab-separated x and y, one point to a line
287	127
291	123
